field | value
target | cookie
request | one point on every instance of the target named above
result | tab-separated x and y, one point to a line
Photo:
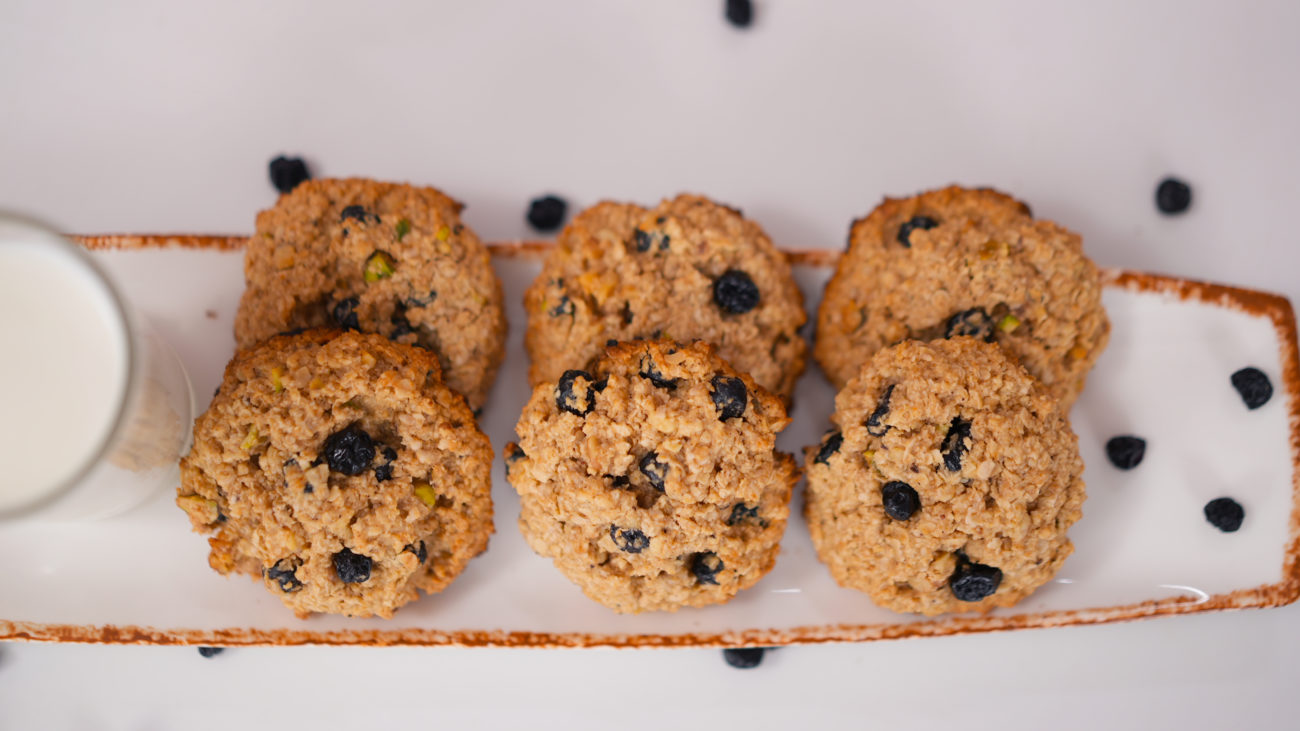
950	482
377	257
653	480
689	269
341	472
956	262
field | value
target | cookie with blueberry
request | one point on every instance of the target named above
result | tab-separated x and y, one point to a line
338	470
949	482
962	262
687	269
378	257
652	480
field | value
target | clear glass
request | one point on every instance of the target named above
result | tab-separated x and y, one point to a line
150	410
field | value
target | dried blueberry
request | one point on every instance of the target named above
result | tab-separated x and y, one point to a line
641	240
288	172
349	450
345	313
421	551
352	568
905	231
974	323
1225	514
547	213
742	513
562	308
630	540
955	443
1126	452
626	313
417	302
743	658
211	651
1173	196
384	472
513	454
874	426
284	572
706	566
729	397
652	374
735	292
401	325
972	582
1254	387
358	213
830	445
567	400
654	470
900	499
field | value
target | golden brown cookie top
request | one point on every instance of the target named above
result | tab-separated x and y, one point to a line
687	269
379	257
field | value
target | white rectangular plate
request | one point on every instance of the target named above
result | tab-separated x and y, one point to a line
1143	547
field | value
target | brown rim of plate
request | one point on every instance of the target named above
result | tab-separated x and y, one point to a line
1285	591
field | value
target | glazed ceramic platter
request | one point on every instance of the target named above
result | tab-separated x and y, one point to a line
1143	547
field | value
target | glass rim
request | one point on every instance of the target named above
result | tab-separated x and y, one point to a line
128	327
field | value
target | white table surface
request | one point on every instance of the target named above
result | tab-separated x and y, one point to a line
156	116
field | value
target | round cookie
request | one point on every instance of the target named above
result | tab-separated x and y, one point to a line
377	257
653	481
951	481
956	262
340	470
689	269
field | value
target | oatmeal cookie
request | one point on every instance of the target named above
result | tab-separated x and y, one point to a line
950	482
377	257
340	471
653	481
689	269
956	262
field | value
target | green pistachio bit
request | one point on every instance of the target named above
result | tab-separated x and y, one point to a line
251	439
1009	323
277	379
379	266
403	228
426	493
353	403
444	233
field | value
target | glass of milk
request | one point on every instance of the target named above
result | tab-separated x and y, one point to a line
95	408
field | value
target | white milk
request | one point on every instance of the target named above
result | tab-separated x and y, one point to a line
63	365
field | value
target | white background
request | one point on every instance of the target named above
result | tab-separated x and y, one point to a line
133	116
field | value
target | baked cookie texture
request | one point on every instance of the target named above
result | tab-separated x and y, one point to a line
949	483
340	471
653	481
688	269
962	261
377	257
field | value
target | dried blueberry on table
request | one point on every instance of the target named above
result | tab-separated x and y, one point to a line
284	572
547	213
1126	452
654	470
1225	514
352	568
562	308
1173	196
384	472
652	374
567	400
905	231
830	445
900	500
740	13
874	426
974	323
955	443
742	513
972	582
743	658
1254	387
729	397
211	651
706	566
349	450
630	540
345	313
288	172
735	292
358	213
